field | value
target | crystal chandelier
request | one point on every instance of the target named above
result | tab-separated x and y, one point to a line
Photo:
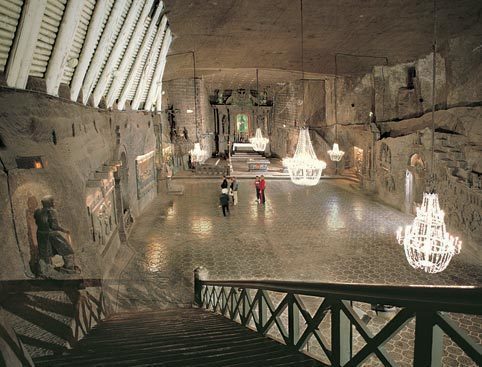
259	143
336	154
428	246
304	168
198	155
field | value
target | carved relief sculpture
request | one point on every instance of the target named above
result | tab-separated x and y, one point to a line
52	239
146	173
385	157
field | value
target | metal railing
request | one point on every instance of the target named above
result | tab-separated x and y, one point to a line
251	304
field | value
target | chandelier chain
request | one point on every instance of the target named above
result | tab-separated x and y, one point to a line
434	60
302	67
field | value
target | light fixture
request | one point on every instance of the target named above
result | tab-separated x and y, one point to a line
428	246
336	154
304	168
259	143
198	155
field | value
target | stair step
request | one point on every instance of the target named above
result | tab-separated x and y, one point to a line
181	337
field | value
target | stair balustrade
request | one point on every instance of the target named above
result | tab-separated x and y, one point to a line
279	305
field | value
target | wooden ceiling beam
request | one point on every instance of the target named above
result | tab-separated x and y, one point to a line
23	48
63	42
150	63
88	48
128	55
138	60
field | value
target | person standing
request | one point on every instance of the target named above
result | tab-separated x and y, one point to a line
234	190
256	185
224	201
262	190
224	184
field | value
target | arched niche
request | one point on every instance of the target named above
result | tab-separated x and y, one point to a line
416	167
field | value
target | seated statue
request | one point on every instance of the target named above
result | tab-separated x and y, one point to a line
51	239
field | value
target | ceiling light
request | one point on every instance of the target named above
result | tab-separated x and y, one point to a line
304	168
336	154
427	244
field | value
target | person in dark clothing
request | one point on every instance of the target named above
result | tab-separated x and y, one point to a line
224	201
256	185
224	185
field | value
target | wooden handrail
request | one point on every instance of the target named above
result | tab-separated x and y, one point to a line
461	299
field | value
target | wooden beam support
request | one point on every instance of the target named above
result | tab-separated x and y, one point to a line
150	63
116	52
58	59
88	48
156	83
21	53
101	50
128	55
138	61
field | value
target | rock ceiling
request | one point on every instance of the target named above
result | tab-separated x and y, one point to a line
231	38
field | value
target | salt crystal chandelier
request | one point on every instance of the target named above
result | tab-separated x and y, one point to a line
259	143
198	155
336	154
304	167
427	244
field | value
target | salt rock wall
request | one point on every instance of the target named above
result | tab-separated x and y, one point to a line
180	94
403	165
79	148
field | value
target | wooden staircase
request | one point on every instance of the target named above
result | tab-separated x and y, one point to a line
175	337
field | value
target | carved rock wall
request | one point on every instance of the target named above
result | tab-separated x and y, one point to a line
180	94
74	143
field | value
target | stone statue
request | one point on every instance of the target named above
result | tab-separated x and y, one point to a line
51	239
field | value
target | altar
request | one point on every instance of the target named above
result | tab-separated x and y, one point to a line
243	146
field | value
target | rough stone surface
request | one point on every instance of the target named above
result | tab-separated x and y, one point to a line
74	142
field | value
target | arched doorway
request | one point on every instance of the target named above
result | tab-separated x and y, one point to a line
416	180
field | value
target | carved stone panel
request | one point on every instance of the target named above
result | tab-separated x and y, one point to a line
101	207
145	173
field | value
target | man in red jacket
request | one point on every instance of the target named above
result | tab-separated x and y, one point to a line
262	190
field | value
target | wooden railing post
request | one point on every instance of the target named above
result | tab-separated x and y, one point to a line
428	341
340	334
262	311
200	274
293	321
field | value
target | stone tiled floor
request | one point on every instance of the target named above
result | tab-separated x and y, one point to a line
327	233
